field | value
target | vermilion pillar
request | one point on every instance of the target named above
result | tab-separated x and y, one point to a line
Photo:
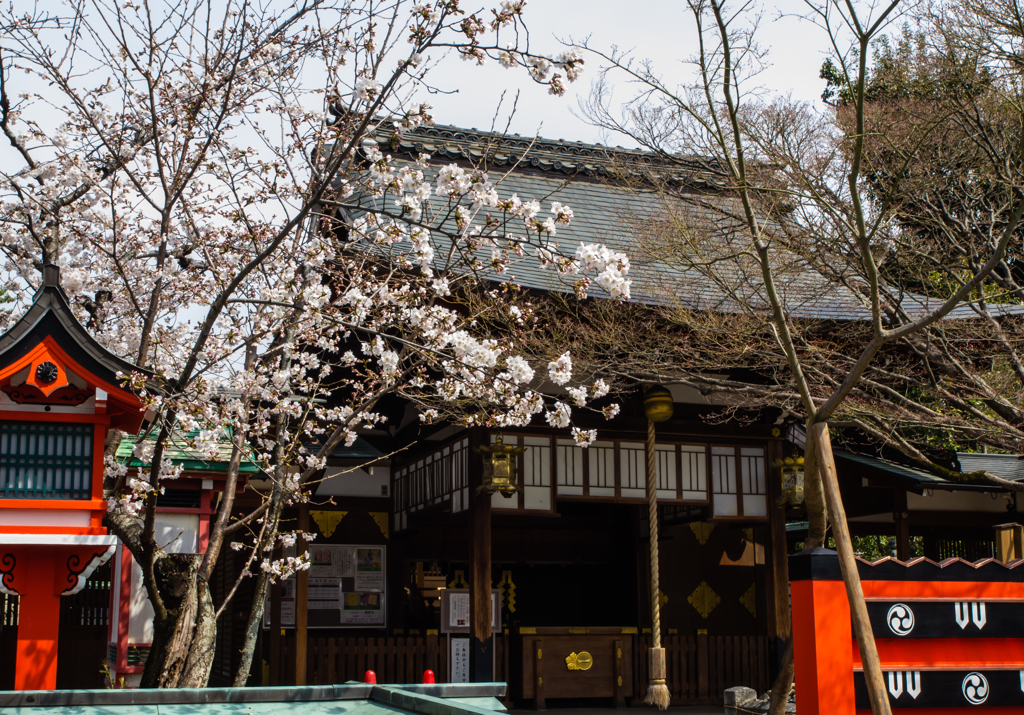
38	622
39	574
822	634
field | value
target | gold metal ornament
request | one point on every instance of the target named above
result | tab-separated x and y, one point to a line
579	661
500	461
704	599
792	469
749	600
658	404
702	530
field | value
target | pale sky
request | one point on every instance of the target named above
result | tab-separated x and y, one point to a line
659	30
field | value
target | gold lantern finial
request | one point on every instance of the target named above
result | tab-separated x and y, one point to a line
658	404
500	461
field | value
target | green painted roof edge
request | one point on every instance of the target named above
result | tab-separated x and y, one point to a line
174	451
419	702
195	465
418	698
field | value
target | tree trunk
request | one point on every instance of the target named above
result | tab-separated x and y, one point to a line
172	634
259	596
181	655
814	496
199	661
783	682
252	628
848	563
817	525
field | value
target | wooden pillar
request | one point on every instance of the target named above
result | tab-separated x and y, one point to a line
481	639
38	621
1008	542
902	517
779	620
619	672
301	600
276	651
538	672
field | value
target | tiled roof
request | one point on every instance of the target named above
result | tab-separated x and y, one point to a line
181	453
920	477
578	175
1007	466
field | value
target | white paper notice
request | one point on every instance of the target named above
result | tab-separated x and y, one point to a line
324	594
329	561
460	660
345	565
458	610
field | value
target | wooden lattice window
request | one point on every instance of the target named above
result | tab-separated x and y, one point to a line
739	482
46	460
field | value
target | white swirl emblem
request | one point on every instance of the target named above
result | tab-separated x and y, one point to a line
900	619
975	688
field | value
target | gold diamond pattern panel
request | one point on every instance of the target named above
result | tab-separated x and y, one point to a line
704	599
749	600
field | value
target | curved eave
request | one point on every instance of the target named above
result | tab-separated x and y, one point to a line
50	316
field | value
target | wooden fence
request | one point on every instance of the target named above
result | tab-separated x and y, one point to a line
701	667
393	659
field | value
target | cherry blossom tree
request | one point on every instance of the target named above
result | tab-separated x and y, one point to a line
211	180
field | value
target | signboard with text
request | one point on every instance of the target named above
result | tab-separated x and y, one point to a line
455	610
346	588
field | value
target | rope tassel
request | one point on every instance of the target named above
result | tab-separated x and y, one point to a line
657	690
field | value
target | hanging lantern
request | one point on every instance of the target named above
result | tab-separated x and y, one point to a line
792	480
658	404
500	461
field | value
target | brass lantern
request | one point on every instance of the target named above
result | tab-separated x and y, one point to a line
500	462
658	404
792	480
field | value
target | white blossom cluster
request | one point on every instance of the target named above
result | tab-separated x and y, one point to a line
243	237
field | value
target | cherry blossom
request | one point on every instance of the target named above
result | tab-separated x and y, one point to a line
228	216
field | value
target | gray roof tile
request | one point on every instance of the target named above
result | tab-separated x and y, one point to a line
572	173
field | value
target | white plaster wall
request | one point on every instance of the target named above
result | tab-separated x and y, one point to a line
957	501
355	482
44	517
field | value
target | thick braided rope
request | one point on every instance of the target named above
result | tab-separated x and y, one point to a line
652	520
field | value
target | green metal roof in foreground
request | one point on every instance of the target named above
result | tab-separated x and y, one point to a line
180	453
349	699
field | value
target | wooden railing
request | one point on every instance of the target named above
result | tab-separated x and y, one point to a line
394	659
701	667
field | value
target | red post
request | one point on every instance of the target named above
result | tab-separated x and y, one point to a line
428	677
38	623
822	636
40	570
370	678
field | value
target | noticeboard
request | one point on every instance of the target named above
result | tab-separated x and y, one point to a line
346	588
455	610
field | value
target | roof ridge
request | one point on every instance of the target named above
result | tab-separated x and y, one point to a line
550	155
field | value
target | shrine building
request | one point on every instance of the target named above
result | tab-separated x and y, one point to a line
60	392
